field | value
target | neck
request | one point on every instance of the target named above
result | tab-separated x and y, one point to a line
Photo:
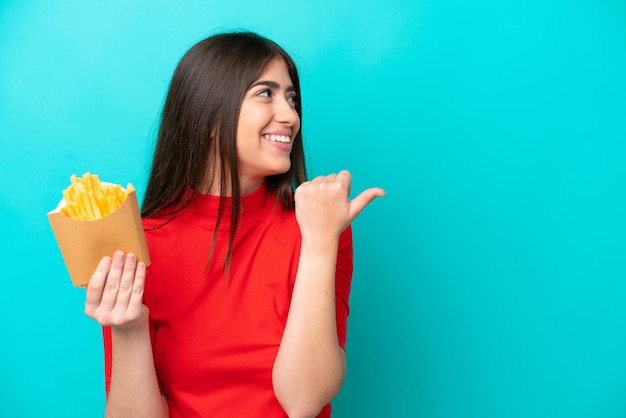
247	186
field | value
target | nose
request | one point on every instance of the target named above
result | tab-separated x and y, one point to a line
286	113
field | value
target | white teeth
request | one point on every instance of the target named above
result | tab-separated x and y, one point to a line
279	138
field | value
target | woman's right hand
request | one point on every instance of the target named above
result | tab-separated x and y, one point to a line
115	293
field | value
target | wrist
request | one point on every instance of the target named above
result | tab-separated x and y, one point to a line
320	243
137	328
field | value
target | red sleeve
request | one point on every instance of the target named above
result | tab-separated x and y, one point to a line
343	280
106	338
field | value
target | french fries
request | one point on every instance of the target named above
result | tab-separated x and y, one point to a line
87	199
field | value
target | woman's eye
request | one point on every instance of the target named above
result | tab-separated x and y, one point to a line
293	100
265	93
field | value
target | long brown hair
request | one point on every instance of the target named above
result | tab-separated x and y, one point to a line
197	133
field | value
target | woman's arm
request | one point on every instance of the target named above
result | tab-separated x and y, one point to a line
310	365
114	298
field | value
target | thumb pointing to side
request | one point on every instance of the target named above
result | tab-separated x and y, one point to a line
362	200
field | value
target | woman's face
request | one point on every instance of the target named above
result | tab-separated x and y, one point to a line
268	124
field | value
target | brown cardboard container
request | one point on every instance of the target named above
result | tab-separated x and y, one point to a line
84	243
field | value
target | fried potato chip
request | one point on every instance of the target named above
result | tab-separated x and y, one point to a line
88	199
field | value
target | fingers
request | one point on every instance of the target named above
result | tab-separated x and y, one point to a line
135	304
345	178
96	285
326	198
112	284
115	291
362	200
125	288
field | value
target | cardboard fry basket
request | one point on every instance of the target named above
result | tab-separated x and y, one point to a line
84	243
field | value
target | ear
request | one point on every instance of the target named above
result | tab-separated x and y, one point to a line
214	130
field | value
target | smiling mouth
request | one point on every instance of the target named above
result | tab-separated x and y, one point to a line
278	138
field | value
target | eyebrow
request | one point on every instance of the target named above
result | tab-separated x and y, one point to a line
271	84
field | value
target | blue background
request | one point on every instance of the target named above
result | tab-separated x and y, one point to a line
490	282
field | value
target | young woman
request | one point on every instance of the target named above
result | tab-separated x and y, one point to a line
243	310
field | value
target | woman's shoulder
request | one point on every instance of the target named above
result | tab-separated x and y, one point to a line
157	222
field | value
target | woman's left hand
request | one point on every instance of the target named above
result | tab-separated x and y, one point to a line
322	205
